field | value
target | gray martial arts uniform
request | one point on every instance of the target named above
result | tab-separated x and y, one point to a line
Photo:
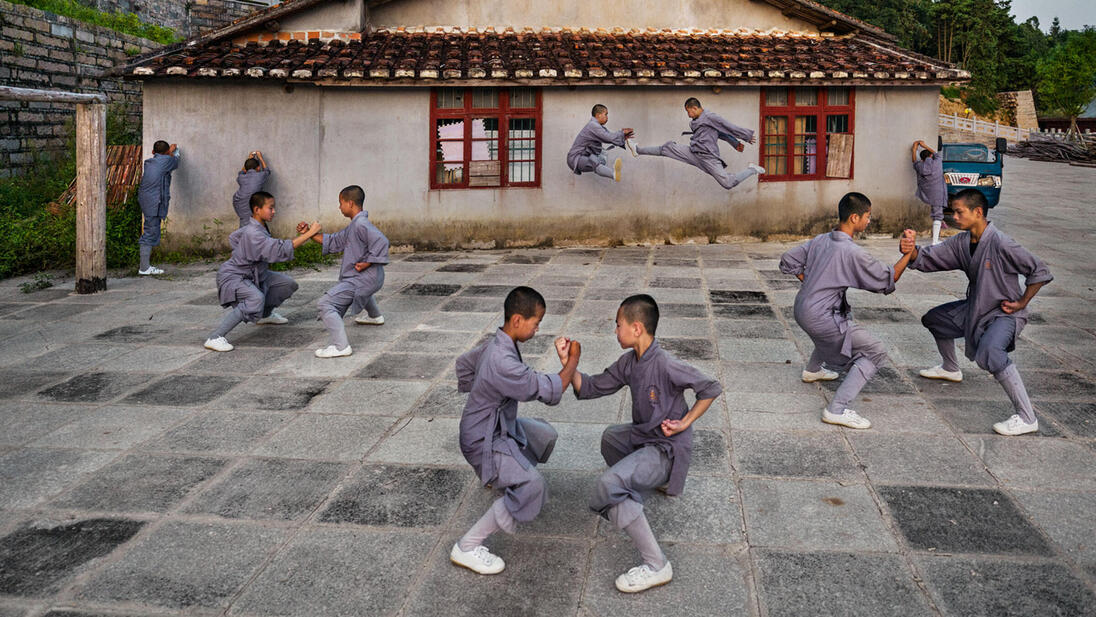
153	195
703	149
993	272
250	182
931	188
586	153
831	263
245	281
502	448
360	241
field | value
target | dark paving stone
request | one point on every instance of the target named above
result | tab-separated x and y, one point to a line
564	514
420	341
133	334
743	311
525	259
1057	385
79	613
184	390
675	262
884	315
733	296
779	284
322	572
473	305
23	382
94	387
428	257
709	452
538	345
242	360
985	588
430	289
442	400
749	329
976	384
667	311
270	489
488	291
560	307
276	394
720	264
287	336
1079	418
961	520
388	495
784	454
218	432
141	483
978	416
885	381
209	299
463	267
37	558
406	366
689	349
675	282
50	312
794	584
186	565
542	576
773	274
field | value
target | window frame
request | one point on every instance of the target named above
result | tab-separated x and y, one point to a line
505	114
819	110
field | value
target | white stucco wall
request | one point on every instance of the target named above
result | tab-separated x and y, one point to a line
318	140
334	16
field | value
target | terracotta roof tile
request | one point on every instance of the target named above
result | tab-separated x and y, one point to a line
552	56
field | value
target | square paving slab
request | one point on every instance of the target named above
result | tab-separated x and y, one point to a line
390	365
274	394
270	489
184	390
397	496
232	433
765	453
325	437
140	483
94	387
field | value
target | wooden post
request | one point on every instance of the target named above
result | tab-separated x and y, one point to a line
91	198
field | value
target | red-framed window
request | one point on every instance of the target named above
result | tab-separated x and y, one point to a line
485	137
807	133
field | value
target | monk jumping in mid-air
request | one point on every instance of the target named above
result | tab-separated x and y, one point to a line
587	153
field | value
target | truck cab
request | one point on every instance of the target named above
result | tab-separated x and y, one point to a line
974	166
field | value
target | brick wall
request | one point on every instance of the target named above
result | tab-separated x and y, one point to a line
186	17
43	50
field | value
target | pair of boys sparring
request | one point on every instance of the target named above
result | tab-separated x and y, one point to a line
707	130
989	319
652	451
246	285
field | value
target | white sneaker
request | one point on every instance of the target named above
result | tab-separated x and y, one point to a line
366	320
150	271
759	169
617	166
644	577
938	372
848	418
333	352
218	344
820	375
479	560
631	148
1015	425
273	319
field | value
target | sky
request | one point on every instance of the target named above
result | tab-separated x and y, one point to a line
1072	14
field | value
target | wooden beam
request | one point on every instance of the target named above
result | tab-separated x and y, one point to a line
91	198
48	96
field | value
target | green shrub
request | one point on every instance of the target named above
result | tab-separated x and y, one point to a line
309	255
127	23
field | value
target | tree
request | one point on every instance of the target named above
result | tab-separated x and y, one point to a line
1067	76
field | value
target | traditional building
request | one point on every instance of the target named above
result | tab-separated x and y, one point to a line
456	115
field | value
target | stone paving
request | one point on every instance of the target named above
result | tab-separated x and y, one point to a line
143	475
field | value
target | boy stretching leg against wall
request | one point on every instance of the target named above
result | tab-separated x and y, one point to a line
828	265
587	153
502	448
250	179
655	449
931	188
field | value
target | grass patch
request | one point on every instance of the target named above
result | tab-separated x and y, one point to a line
308	256
126	23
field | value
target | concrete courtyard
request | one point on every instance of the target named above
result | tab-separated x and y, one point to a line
142	475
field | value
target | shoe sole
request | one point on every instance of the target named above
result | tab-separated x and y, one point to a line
215	349
467	567
645	588
368	323
834	378
942	378
836	423
1014	434
617	166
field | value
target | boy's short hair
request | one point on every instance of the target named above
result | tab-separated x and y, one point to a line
522	301
597	109
251	163
354	194
925	154
973	198
259	199
692	101
160	147
853	203
641	308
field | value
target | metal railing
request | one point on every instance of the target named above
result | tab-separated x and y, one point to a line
973	125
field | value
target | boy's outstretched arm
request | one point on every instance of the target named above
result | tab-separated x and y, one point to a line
570	365
672	427
907	255
310	231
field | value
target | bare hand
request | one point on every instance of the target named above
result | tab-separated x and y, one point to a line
753	140
740	146
672	427
361	265
563	348
628	133
575	352
314	228
1010	307
171	148
302	227
908	242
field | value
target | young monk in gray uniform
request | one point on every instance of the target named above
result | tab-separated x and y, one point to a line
361	273
703	149
656	447
153	195
931	188
994	311
245	282
250	180
502	448
587	153
828	265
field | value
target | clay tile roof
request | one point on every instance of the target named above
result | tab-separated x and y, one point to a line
556	56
